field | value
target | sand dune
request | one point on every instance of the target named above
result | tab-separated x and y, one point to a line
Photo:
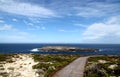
21	67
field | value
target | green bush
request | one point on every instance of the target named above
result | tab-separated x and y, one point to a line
2	57
117	71
103	70
6	57
47	61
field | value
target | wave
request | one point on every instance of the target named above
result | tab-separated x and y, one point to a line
100	50
34	50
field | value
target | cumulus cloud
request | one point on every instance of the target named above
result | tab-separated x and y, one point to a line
106	32
25	9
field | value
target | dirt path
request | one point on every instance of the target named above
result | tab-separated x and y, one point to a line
74	69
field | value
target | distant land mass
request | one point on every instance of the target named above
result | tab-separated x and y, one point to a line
66	48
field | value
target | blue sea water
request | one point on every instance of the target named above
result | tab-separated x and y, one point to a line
104	49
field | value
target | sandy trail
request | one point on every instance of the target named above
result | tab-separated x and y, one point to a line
74	69
22	67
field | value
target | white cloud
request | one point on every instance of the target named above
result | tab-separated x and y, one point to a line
62	30
25	9
1	21
12	34
35	27
89	12
14	20
103	32
80	25
97	9
113	20
11	29
30	24
5	27
35	20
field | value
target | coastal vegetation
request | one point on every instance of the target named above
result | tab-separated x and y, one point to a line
6	57
103	66
50	63
43	65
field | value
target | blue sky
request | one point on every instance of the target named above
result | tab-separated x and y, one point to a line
60	21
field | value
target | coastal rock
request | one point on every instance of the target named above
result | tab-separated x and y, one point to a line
65	48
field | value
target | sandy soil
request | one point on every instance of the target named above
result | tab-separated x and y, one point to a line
21	67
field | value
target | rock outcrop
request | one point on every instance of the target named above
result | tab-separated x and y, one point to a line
65	48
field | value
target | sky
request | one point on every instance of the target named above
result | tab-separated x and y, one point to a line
60	21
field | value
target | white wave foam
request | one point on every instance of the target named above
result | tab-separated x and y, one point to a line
100	50
34	50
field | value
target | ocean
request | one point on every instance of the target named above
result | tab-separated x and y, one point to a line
104	49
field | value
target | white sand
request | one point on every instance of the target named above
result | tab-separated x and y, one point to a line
102	61
22	67
113	66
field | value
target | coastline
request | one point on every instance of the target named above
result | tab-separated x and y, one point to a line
28	66
22	64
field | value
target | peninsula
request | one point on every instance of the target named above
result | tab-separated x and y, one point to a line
66	48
